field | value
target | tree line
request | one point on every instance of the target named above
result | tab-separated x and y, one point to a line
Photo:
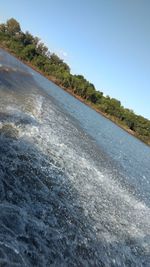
31	50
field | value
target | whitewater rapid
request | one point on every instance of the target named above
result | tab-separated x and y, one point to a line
62	202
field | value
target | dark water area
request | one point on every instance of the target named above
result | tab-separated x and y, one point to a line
74	187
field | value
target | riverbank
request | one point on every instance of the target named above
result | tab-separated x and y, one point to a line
86	102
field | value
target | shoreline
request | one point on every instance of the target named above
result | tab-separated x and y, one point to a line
69	91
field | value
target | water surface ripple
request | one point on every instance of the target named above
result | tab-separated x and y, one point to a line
74	187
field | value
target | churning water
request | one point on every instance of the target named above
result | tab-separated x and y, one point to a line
74	187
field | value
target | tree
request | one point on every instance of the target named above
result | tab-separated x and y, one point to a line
2	28
41	49
13	26
54	59
27	38
28	52
89	93
39	61
99	96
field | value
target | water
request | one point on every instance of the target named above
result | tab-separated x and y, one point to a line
74	187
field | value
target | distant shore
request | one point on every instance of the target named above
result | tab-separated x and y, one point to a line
55	81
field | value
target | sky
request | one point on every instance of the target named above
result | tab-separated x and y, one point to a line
107	41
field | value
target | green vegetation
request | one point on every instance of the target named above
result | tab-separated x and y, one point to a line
32	51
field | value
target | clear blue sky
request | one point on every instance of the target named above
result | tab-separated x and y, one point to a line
108	41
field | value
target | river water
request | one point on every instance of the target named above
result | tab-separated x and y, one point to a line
74	187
